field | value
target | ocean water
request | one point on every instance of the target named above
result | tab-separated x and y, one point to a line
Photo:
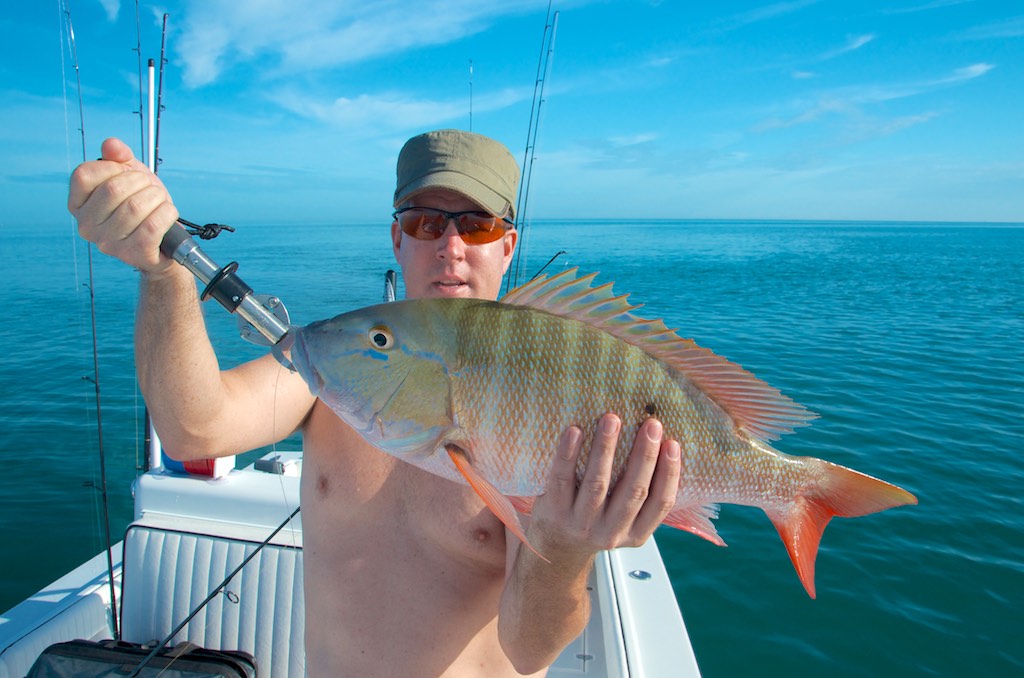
906	339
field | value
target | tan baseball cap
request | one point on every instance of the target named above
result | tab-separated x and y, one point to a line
473	165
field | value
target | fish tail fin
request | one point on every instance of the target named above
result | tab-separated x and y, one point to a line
839	492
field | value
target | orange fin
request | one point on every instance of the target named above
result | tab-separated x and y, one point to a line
498	503
842	492
523	504
696	519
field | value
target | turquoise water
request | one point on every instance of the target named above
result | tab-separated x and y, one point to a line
905	338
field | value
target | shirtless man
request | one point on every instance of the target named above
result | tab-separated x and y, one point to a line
406	573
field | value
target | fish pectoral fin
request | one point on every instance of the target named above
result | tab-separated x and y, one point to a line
696	519
499	504
523	505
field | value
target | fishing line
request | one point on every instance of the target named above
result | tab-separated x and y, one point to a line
62	7
273	448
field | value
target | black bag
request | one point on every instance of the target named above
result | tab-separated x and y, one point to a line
113	658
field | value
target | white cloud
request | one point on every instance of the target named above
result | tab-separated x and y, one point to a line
810	112
111	7
633	139
935	4
291	36
853	43
1010	28
847	100
967	73
766	12
391	111
874	128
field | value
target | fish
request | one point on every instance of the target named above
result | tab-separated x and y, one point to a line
479	392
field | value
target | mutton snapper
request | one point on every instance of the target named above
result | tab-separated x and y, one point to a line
480	391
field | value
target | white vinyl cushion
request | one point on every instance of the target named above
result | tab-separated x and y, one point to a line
167	573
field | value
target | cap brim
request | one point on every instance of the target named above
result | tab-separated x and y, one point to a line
462	184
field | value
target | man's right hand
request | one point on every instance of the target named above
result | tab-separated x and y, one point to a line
123	207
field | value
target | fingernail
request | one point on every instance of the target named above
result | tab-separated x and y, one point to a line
654	430
672	452
609	424
572	439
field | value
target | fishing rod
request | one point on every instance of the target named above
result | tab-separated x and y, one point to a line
138	50
151	440
62	6
547	48
160	96
264	319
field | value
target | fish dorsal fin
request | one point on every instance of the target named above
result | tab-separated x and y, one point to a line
756	407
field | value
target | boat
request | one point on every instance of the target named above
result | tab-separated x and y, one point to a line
215	558
189	532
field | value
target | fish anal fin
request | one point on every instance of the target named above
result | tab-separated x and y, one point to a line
500	505
696	519
840	492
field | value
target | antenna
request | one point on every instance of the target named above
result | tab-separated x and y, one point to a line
470	95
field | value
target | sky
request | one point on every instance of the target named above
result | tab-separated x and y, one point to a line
292	112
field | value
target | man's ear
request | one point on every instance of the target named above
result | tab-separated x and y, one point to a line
509	243
396	239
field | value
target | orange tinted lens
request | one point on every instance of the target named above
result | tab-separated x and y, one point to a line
475	228
422	225
479	229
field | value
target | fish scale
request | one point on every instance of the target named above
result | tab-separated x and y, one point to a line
539	371
481	391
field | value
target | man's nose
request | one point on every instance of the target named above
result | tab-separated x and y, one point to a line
451	244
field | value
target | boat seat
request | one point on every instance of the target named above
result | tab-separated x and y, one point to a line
86	618
172	565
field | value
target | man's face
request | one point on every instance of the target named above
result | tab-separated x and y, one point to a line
448	267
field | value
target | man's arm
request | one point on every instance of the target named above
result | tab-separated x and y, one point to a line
198	410
544	606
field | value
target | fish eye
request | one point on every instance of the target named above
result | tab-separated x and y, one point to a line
381	337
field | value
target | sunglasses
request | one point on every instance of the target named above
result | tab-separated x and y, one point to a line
475	228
